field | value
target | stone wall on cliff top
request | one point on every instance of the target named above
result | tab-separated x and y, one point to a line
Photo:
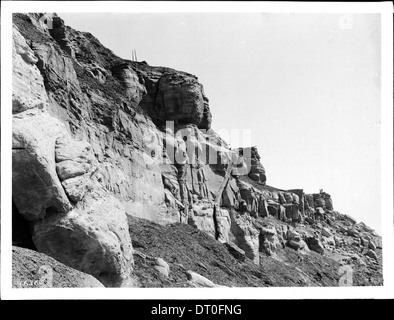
97	139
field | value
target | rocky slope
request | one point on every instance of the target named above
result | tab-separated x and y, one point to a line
31	269
117	173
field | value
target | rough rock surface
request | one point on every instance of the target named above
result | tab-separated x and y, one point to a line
31	269
186	248
100	142
93	238
36	187
177	97
28	89
199	280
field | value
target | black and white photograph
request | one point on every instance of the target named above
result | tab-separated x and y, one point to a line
207	148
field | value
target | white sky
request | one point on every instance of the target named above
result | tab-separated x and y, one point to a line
306	85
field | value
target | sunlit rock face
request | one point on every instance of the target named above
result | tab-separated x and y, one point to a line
99	141
179	97
28	89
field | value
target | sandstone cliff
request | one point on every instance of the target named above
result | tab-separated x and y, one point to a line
105	147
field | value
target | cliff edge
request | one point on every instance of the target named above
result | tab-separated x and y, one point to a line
117	173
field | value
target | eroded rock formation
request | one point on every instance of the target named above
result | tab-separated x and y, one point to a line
99	141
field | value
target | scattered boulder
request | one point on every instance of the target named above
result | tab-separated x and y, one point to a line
235	251
315	245
199	280
162	266
372	246
309	220
326	232
372	254
295	241
353	232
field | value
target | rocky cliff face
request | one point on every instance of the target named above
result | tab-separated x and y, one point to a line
100	142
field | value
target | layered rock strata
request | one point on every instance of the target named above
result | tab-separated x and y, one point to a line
98	139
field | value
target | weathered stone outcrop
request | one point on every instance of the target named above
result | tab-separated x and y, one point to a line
255	168
28	89
317	200
315	244
93	238
43	156
58	32
246	235
55	185
235	251
177	97
99	141
36	187
135	89
295	241
269	240
199	280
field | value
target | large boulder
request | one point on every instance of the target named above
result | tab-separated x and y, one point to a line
315	244
162	266
235	251
199	280
93	238
295	241
36	187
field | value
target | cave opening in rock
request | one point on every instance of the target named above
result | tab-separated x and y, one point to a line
21	232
